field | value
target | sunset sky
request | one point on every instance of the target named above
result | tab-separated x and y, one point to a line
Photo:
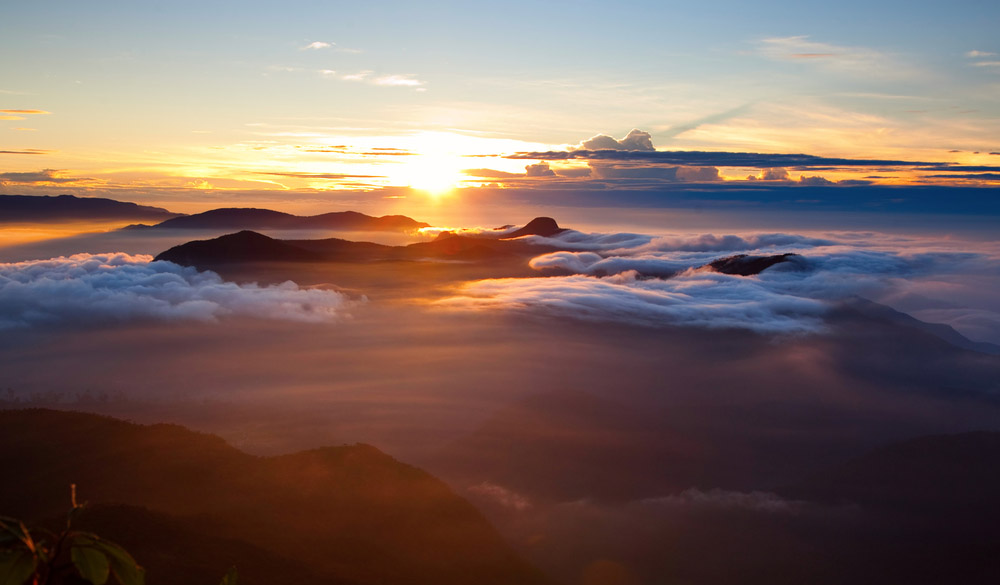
191	105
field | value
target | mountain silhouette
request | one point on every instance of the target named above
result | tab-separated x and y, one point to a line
746	265
540	226
248	246
36	208
347	514
239	218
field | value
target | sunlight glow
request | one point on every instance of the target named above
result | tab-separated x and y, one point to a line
437	168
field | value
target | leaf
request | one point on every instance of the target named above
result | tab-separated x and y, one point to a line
16	567
124	567
12	529
91	563
230	578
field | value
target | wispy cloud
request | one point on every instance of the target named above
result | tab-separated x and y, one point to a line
26	151
43	176
845	59
371	77
979	54
398	80
320	45
26	112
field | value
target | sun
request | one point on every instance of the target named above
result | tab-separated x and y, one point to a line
436	174
437	165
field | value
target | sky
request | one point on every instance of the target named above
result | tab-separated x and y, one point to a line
191	104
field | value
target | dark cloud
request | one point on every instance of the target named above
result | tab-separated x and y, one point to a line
725	159
816	181
97	289
975	176
25	151
43	176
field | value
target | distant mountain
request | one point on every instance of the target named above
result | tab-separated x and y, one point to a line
939	330
540	226
233	218
17	208
248	246
348	514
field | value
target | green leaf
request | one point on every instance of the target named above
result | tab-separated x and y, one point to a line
91	563
230	578
16	567
124	567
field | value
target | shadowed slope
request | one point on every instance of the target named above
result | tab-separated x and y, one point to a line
349	513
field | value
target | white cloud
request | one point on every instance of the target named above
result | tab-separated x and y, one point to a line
634	140
398	80
836	58
979	54
98	289
655	282
316	45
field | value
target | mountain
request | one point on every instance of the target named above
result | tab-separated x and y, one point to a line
245	246
939	330
248	246
745	265
17	208
540	226
257	219
348	514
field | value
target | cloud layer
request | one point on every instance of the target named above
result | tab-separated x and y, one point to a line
98	289
663	281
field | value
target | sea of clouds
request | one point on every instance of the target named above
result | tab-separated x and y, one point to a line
96	289
659	281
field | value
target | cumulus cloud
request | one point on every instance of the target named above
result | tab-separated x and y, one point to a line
634	140
98	289
816	181
539	170
775	174
316	45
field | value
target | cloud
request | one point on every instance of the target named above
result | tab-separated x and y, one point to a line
26	151
398	80
774	174
709	300
316	45
368	76
539	170
816	181
27	112
979	54
655	282
634	140
97	289
765	502
500	495
837	58
43	176
986	64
